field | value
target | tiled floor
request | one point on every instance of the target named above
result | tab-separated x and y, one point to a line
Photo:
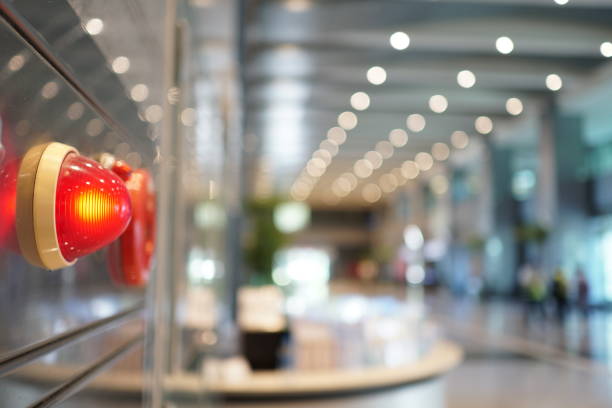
523	383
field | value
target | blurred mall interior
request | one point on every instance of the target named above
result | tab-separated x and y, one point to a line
306	203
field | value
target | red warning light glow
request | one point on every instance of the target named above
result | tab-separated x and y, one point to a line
92	207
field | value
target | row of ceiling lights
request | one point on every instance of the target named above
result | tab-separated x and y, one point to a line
373	159
388	182
298	6
411	169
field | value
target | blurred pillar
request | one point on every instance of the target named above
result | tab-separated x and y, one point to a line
546	196
570	236
501	249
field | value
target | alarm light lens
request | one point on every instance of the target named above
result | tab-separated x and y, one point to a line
92	207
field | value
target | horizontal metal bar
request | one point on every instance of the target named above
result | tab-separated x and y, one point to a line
18	358
76	383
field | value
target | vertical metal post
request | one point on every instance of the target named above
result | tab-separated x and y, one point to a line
158	301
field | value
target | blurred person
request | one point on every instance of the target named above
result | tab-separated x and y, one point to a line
582	292
534	293
559	294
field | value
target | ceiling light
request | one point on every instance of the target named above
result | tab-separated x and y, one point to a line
397	173
341	188
350	177
424	161
360	101
336	135
440	151
410	170
330	146
466	79
377	75
399	40
343	184
483	125
460	139
438	103
347	120
385	149
388	183
374	158
514	106
554	82
415	122
504	45
398	137
562	2
315	167
371	193
324	155
363	168
606	49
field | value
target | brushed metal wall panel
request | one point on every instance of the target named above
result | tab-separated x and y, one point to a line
36	106
69	44
31	382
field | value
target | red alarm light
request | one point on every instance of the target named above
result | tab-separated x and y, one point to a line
67	206
131	257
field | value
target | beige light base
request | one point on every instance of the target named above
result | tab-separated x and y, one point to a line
36	187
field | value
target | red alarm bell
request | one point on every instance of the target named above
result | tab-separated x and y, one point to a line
131	257
67	206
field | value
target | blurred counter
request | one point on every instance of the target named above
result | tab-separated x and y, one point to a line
441	358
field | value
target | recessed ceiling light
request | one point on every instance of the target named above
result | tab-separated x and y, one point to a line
363	168
336	135
554	82
399	40
424	161
606	49
438	103
385	149
460	139
371	193
415	122
398	137
504	45
466	79
375	158
410	170
347	120
514	106
360	101
483	125
440	151
376	75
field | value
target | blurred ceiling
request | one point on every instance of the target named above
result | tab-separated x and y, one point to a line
305	59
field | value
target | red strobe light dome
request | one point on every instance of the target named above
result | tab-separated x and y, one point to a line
92	207
67	206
